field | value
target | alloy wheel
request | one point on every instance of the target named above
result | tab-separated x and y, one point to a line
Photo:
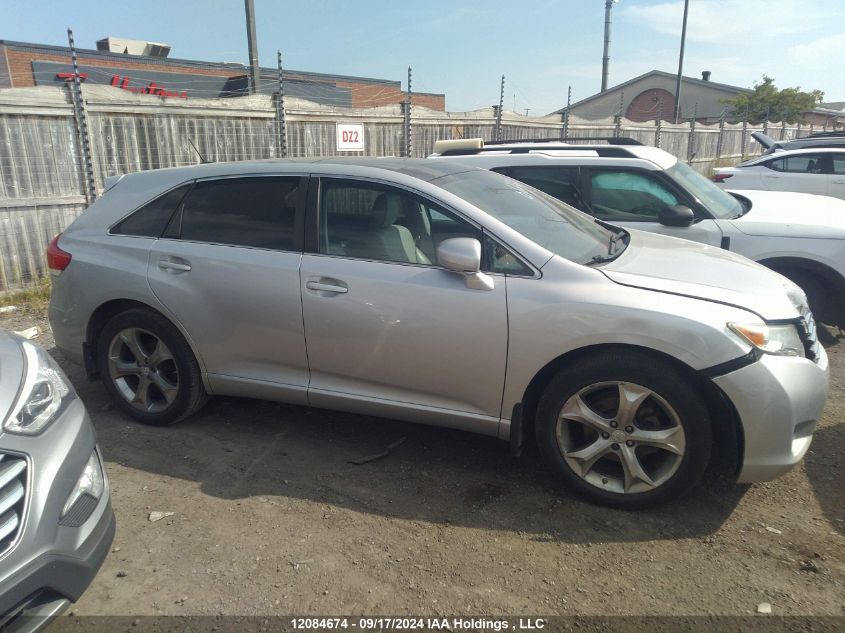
143	370
621	437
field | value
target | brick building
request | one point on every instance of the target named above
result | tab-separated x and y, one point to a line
145	67
651	94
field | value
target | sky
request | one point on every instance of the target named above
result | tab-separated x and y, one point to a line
463	47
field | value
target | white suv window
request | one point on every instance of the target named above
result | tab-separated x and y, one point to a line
626	196
799	164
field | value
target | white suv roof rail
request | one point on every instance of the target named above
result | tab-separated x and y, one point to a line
469	146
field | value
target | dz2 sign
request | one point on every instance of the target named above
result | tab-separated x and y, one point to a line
350	137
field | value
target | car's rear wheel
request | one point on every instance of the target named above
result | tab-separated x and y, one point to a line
624	430
148	368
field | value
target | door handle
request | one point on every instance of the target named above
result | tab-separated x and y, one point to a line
771	176
324	287
169	264
838	182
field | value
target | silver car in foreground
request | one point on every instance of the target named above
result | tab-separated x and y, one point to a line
438	293
56	519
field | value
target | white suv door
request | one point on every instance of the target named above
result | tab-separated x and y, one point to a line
804	173
634	198
836	180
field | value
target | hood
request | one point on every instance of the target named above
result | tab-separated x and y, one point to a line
11	372
667	264
779	213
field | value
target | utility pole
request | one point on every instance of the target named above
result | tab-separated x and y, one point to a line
681	64
252	43
605	60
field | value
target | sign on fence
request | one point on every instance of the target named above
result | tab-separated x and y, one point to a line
350	137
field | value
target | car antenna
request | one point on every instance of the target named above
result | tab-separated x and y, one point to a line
202	158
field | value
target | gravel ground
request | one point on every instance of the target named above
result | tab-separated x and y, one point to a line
271	518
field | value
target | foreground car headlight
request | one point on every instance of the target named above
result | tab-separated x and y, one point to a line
44	395
91	483
781	339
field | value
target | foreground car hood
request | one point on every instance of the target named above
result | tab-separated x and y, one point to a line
11	373
778	213
668	264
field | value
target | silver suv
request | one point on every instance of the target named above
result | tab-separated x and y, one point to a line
56	520
432	292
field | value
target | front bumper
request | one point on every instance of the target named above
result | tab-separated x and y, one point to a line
51	564
779	400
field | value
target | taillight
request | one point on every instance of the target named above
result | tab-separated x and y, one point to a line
721	177
57	259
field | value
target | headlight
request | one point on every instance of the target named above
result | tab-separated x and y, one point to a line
91	482
44	394
782	340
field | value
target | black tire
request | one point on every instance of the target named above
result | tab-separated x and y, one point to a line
596	377
185	391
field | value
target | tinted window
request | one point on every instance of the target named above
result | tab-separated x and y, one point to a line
362	220
800	164
839	163
559	182
150	220
626	196
257	212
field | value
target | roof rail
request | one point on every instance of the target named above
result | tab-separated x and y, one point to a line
468	147
835	134
611	140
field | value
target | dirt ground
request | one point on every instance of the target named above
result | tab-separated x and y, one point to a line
270	518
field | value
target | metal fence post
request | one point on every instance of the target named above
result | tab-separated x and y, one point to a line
617	131
81	118
280	112
564	131
691	142
721	140
498	135
658	122
408	142
783	124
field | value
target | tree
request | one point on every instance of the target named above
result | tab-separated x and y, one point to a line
768	102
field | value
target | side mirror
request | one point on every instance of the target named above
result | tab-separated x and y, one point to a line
676	215
462	255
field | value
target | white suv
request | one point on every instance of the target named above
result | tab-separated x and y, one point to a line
819	170
801	236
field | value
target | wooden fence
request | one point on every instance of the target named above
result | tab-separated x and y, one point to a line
43	177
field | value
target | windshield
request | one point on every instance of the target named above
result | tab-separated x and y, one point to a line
721	204
552	224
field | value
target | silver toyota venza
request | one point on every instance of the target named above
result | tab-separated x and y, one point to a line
439	293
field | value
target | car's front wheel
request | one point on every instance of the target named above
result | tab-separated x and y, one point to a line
148	368
624	429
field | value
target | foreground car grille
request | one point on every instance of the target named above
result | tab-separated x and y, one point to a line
809	335
12	497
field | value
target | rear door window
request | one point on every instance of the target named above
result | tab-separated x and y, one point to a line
799	164
562	183
255	211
